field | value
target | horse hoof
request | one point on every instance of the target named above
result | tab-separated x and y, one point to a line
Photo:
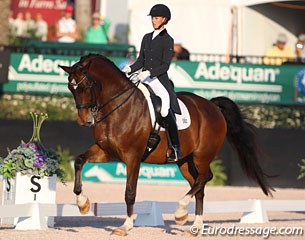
181	220
119	232
84	209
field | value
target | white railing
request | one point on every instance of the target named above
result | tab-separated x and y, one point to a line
149	213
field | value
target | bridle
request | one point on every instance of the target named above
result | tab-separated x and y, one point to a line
92	105
92	82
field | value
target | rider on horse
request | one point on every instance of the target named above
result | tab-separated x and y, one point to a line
154	59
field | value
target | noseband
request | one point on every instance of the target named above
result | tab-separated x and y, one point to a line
95	108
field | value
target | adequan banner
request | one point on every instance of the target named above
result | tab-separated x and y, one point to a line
249	83
115	172
241	82
40	74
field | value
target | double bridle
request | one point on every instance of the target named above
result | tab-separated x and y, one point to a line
94	107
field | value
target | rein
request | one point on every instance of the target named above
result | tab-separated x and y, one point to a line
95	108
134	86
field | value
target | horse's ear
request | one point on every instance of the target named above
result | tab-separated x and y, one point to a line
65	68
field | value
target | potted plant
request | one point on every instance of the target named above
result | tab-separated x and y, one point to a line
30	172
32	158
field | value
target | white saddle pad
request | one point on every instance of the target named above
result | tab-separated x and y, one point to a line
183	120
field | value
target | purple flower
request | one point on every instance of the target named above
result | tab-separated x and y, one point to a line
38	163
34	145
24	145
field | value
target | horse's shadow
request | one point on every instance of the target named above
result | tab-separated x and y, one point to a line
110	223
71	224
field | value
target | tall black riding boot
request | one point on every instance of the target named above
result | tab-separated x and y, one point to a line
172	138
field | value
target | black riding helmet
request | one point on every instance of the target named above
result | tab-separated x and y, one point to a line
160	10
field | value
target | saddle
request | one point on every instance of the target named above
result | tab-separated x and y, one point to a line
154	104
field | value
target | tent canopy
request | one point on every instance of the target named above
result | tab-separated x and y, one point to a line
256	2
294	12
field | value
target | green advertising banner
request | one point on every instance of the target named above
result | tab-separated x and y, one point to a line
32	73
241	82
115	172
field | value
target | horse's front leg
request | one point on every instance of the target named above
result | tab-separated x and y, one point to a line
94	154
130	197
82	201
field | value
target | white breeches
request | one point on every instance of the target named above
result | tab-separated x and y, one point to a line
160	91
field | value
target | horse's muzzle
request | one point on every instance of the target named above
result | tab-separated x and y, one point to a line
89	121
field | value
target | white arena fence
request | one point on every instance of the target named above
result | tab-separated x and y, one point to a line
149	213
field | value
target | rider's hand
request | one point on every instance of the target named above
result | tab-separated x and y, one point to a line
126	69
143	75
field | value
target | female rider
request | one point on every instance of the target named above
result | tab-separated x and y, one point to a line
154	59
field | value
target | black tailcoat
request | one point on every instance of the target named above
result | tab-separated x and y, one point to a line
155	56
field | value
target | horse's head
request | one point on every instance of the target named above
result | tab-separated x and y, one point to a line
87	78
85	91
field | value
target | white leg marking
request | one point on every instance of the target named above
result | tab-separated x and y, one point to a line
81	199
128	224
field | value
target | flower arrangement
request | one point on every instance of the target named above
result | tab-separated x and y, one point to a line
32	158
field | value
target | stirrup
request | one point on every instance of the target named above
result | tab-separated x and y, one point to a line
173	156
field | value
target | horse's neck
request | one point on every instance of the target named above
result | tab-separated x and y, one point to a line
116	85
114	89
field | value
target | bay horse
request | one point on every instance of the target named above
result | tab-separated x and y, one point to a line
118	114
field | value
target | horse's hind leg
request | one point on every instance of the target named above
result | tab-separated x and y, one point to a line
197	180
199	196
190	173
130	196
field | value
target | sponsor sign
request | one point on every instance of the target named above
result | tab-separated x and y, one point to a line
240	82
249	83
114	172
33	73
51	10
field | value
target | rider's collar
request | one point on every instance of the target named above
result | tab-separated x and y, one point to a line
157	32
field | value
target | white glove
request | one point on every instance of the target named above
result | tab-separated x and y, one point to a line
126	69
143	75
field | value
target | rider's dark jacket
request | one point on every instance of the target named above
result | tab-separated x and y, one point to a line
155	56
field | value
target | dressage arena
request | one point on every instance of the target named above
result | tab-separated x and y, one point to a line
67	228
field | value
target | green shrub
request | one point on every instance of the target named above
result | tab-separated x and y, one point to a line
62	107
270	116
18	106
219	176
65	159
302	169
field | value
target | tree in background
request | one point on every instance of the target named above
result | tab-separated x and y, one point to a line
4	28
83	12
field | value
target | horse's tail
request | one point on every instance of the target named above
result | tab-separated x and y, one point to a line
242	137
